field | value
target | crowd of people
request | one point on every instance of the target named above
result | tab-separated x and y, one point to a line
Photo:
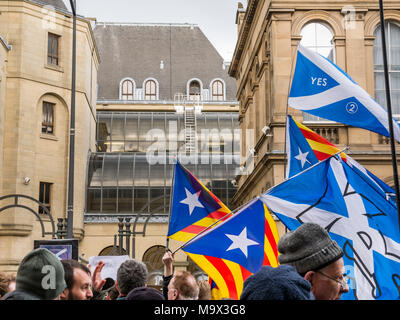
311	268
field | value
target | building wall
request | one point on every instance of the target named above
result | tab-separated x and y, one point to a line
3	77
263	64
26	151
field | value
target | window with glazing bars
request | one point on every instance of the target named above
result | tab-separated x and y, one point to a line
127	90
44	196
52	49
194	90
48	118
150	90
217	90
392	31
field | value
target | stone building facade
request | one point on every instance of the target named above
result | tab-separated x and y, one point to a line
35	99
346	32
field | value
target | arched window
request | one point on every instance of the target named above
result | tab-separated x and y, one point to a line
150	90
153	260
319	38
194	90
127	89
393	56
48	117
111	251
217	90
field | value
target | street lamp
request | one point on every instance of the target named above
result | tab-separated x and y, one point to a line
70	210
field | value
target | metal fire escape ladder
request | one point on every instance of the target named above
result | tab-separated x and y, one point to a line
190	129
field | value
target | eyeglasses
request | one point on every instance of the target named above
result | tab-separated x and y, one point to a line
342	282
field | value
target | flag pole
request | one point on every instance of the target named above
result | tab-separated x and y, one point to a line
171	197
389	107
287	112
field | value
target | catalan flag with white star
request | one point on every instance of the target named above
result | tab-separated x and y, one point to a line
194	208
236	248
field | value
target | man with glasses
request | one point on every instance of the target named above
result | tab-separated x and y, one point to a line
317	258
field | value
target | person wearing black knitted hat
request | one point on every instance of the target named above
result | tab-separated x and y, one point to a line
145	293
40	276
317	258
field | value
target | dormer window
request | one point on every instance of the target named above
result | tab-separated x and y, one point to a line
127	89
150	90
217	90
194	90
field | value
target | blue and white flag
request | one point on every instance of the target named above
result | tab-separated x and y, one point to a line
305	148
356	216
321	88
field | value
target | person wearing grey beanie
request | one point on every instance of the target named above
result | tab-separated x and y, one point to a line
40	276
317	258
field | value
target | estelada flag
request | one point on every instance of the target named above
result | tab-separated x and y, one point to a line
194	208
236	248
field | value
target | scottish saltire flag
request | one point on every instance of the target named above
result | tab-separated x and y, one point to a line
355	214
236	248
304	148
321	88
194	208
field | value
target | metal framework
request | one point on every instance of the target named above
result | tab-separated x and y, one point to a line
17	204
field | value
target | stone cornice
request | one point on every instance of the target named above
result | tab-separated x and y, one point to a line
243	36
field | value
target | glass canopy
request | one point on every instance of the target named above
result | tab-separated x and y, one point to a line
132	171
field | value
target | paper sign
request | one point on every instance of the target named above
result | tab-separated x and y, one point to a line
111	266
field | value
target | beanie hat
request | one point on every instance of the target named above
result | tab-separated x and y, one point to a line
307	248
145	293
280	283
41	274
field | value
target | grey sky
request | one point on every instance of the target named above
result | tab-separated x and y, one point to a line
216	18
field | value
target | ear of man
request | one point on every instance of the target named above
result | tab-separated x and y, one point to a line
64	295
309	276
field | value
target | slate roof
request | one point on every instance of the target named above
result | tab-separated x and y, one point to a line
136	51
58	4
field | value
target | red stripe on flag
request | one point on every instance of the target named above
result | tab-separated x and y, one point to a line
193	229
266	261
226	274
217	215
270	237
321	155
316	137
245	273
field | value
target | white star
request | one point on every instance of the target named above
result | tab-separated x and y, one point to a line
241	241
192	200
302	157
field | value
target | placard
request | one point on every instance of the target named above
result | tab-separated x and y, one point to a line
63	249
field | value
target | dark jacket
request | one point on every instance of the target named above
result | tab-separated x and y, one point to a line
20	295
280	283
166	280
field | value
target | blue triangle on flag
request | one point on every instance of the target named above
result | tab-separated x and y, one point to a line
303	84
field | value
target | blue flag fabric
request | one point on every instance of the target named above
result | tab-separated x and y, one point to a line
357	217
301	156
321	88
299	152
240	238
191	202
